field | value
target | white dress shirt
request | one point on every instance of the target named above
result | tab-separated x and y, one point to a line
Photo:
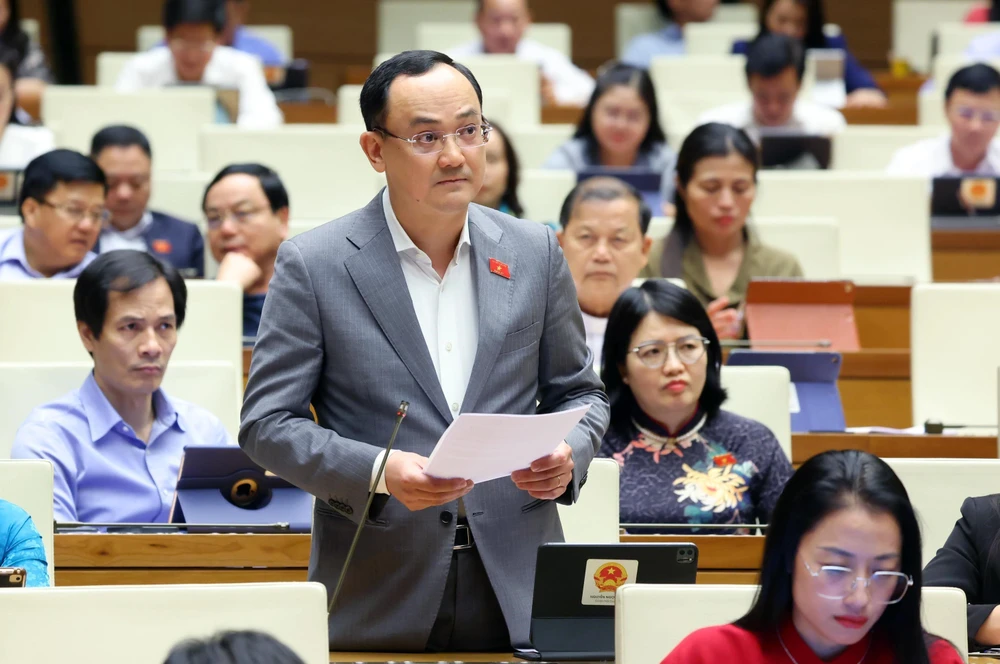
807	117
931	158
112	238
571	85
446	309
228	69
20	144
595	328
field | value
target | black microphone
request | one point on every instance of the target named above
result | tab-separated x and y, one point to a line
400	414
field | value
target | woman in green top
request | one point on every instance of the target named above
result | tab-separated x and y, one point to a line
711	247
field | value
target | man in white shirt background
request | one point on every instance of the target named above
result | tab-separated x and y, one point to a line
502	24
972	106
775	67
193	56
604	223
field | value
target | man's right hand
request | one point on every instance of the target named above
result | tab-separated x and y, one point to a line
239	268
407	483
726	321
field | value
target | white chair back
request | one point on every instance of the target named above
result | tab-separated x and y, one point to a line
533	144
945	67
323	167
715	37
762	394
681	110
398	20
873	211
742	12
32	29
651	619
954	38
700	73
109	66
166	116
8	221
953	342
930	111
542	193
593	519
297	226
180	194
518	79
29	485
280	36
496	106
636	18
914	23
158	618
27	385
871	147
448	35
938	487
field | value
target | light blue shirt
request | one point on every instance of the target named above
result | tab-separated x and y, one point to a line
983	49
21	545
14	263
248	42
643	48
103	472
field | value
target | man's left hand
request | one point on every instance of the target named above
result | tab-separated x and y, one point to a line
548	477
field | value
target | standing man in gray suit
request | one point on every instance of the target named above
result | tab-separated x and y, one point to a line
422	296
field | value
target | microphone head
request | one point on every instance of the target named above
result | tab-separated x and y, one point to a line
403	407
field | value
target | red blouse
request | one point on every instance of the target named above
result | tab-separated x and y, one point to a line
729	643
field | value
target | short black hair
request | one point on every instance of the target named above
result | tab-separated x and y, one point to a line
509	197
375	93
274	189
122	271
45	172
119	136
665	11
233	648
771	53
979	79
667	299
604	188
613	75
181	12
10	60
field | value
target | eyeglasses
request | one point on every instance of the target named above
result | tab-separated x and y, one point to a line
240	217
967	113
837	582
185	45
432	142
654	353
76	214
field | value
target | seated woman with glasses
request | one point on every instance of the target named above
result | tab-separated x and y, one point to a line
683	460
840	579
503	175
620	129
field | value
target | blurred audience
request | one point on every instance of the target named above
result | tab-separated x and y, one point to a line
116	442
804	21
986	13
669	40
193	56
502	24
503	174
22	546
233	648
972	107
236	35
711	246
604	223
62	212
683	459
19	143
246	211
33	72
125	156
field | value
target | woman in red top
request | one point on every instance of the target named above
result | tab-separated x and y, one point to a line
840	580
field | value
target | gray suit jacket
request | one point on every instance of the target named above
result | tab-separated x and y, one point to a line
339	332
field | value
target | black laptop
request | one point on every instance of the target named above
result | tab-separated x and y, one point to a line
573	609
947	195
647	182
794	151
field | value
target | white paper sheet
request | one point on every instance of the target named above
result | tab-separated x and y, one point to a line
482	447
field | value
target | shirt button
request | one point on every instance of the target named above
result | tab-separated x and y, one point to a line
447	346
446	518
454	407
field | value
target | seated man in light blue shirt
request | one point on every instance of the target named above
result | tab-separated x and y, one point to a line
237	36
116	443
21	545
669	40
62	211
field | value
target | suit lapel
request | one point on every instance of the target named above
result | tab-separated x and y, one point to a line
493	294
379	278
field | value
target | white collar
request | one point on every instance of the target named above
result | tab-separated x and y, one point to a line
134	233
593	324
404	245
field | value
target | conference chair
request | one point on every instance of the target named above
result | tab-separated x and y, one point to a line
91	620
884	220
716	38
109	65
180	194
324	169
871	147
166	116
938	487
398	20
37	324
651	619
914	23
761	393
700	73
543	191
954	38
534	144
681	109
636	18
519	79
496	106
945	65
29	485
280	36
27	385
445	36
9	221
930	111
593	519
954	354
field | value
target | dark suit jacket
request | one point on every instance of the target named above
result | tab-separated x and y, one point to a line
176	242
970	560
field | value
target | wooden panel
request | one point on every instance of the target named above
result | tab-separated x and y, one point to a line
716	552
882	314
222	551
965	255
146	577
896	113
876	402
807	445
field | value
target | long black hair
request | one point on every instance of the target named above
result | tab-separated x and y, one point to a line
12	36
667	299
632	77
709	140
994	11
824	484
509	197
815	20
